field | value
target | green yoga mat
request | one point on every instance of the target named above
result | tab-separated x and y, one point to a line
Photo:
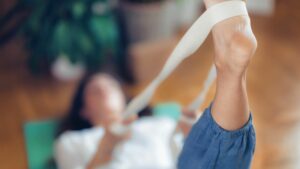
171	110
39	140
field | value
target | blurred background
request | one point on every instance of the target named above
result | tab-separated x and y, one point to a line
46	46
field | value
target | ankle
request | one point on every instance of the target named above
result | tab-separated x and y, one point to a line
229	76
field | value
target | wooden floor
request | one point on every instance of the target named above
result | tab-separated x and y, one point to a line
273	84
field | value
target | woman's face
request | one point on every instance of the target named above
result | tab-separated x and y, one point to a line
103	99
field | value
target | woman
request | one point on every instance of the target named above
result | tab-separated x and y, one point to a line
85	140
223	138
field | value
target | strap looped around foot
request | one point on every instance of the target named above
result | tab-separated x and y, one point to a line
189	44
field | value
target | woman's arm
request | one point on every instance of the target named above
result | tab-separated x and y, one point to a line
103	155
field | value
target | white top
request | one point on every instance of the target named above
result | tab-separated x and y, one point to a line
150	147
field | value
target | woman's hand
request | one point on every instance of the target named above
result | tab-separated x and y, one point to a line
185	126
112	139
107	144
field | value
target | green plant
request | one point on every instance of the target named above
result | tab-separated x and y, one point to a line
144	1
71	28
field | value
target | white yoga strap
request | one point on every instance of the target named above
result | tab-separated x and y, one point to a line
188	45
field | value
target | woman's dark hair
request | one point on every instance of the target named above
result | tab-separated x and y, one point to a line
74	119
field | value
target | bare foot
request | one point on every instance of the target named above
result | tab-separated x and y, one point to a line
234	43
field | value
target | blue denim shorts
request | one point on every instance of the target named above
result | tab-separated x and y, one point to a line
208	146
